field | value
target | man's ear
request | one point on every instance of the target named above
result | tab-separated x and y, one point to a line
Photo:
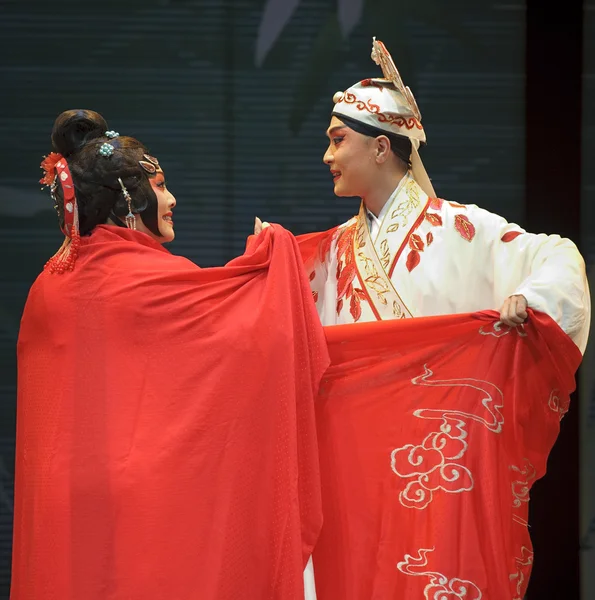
382	149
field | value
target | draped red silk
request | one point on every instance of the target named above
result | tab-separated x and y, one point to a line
166	444
169	438
431	433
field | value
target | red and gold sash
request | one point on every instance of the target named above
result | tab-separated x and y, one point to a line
369	263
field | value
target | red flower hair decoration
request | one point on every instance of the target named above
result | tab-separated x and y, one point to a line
48	164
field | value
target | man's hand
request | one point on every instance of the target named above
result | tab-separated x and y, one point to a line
514	310
259	226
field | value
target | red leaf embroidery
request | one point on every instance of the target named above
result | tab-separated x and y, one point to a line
457	205
339	306
429	238
355	308
360	293
345	241
511	235
464	226
434	219
345	280
412	260
312	275
315	296
436	203
416	243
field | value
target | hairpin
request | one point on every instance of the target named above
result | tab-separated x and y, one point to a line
112	134
150	165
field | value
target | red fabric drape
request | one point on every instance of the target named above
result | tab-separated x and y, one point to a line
166	442
431	433
167	436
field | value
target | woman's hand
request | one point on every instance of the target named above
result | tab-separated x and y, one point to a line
259	226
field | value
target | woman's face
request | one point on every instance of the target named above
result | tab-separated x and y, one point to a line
165	206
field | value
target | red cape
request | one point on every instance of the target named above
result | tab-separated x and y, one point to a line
166	441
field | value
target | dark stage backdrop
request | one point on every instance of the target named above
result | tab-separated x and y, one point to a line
234	103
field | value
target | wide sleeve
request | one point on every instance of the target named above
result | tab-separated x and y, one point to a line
547	270
317	252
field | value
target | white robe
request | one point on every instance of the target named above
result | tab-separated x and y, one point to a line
424	257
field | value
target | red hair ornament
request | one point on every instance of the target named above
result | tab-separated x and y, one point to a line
57	171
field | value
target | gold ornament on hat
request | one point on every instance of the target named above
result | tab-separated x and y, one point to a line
382	57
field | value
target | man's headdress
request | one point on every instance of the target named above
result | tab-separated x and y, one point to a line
388	105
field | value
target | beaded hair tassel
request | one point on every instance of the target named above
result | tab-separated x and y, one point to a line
130	217
56	170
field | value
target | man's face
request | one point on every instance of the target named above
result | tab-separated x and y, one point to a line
350	157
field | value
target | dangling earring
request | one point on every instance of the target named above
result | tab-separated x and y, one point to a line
130	217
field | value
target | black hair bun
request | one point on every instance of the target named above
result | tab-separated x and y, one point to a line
75	128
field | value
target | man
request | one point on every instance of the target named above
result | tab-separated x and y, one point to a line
408	253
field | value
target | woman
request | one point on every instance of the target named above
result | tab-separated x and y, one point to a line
143	469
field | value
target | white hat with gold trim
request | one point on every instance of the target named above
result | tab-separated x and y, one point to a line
387	104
